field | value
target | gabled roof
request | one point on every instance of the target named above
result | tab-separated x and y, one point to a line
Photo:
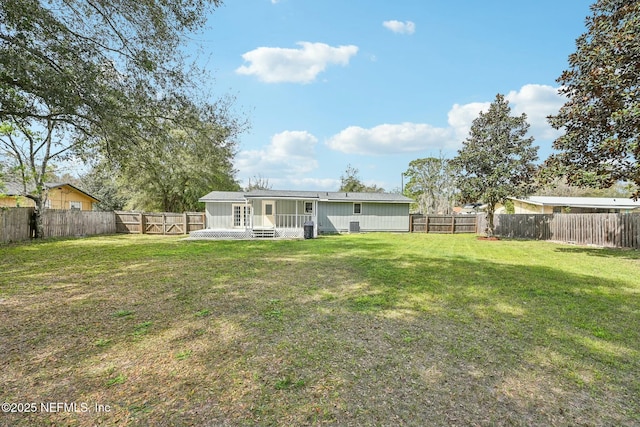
16	189
583	202
237	196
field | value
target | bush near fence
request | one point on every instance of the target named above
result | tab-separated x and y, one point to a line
607	230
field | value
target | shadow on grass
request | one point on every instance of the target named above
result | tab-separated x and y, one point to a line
632	254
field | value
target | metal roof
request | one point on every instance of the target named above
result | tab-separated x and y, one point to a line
331	196
583	202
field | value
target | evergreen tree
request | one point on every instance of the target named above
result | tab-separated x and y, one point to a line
601	119
496	159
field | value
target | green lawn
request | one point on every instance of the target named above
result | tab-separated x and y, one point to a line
371	329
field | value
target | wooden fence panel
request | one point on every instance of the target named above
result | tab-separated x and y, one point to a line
163	223
65	223
129	222
607	230
442	223
15	224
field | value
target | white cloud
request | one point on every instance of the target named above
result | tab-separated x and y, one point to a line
389	139
537	101
326	184
290	152
461	116
277	65
400	27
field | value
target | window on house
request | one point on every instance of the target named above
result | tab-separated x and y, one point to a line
268	209
241	215
75	205
357	208
308	207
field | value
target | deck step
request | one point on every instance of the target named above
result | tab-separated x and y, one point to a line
264	233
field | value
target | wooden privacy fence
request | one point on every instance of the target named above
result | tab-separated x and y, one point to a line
64	223
609	230
159	222
16	223
442	223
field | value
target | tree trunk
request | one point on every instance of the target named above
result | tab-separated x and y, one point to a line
489	230
39	223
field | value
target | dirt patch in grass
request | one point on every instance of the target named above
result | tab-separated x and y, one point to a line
348	330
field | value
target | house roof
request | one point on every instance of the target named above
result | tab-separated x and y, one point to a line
16	189
236	196
583	202
223	196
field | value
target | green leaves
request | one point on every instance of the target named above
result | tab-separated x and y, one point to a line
107	79
601	118
432	184
496	160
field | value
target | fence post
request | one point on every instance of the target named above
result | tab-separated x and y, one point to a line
426	224
142	230
164	223
410	223
453	224
186	224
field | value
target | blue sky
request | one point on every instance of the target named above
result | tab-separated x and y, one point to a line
376	84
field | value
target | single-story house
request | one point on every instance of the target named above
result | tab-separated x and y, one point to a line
552	204
59	196
271	213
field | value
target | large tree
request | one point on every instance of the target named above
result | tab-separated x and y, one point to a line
79	76
601	119
432	184
350	182
182	161
496	159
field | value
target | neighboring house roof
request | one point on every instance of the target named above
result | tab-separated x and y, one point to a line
11	189
16	189
582	202
237	196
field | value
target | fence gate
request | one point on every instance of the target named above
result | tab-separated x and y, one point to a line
450	224
165	223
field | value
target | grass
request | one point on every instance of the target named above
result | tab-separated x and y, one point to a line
372	329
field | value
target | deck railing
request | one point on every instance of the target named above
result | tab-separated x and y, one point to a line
292	220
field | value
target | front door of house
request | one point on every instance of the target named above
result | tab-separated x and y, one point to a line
268	213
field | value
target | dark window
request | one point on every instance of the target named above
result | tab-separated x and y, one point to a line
357	208
308	207
268	209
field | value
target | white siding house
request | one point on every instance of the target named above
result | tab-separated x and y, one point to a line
270	213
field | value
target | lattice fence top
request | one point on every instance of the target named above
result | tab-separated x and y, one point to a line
242	234
220	234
